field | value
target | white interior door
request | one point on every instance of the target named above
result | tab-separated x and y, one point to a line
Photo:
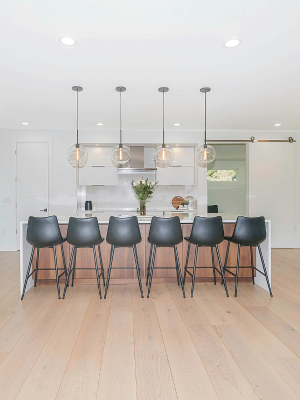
32	182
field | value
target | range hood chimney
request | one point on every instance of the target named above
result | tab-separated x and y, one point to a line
137	162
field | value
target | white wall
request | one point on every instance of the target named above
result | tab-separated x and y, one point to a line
62	184
63	187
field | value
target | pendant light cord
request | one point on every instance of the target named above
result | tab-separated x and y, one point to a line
205	121
163	118
120	120
77	116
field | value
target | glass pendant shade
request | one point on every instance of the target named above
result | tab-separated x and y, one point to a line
77	156
120	156
164	156
205	155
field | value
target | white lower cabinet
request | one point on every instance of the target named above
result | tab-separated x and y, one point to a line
89	176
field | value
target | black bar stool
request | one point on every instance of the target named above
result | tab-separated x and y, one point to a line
206	232
164	232
42	233
84	232
248	232
123	232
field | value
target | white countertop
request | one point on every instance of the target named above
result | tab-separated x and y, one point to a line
185	217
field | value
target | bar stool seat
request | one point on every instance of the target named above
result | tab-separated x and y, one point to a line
44	233
248	232
164	232
206	232
123	232
84	233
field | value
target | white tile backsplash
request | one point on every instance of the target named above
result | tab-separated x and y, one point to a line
119	197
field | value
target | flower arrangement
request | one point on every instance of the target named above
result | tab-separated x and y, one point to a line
143	191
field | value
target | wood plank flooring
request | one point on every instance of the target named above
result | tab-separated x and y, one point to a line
165	347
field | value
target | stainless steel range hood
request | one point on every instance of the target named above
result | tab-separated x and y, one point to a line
137	161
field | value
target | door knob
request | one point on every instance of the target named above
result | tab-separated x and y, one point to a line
45	210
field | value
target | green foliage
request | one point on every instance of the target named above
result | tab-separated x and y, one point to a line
185	203
221	175
143	189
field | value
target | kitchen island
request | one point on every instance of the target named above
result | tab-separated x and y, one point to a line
123	257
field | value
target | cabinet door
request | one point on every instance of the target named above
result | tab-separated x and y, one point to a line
175	176
182	171
89	176
99	155
184	156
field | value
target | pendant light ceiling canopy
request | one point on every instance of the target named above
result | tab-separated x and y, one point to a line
164	154
120	155
77	154
205	153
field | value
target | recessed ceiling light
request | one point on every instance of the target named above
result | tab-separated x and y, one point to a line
67	41
232	43
25	123
99	124
177	124
277	124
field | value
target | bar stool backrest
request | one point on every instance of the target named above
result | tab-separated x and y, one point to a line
165	232
250	231
207	231
123	232
84	232
43	232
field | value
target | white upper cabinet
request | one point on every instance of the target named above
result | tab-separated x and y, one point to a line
98	176
182	171
99	169
99	155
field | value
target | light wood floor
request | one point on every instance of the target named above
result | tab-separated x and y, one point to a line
165	347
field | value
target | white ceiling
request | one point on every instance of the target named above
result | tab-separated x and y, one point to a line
144	45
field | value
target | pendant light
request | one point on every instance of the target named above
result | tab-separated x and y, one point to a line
164	154
205	153
120	155
77	154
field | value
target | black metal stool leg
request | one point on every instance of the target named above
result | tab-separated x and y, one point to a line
64	259
56	272
152	267
194	272
149	264
213	263
69	270
36	265
179	270
265	270
74	266
101	264
226	259
186	262
137	269
28	272
97	272
222	271
237	270
252	264
112	250
176	266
